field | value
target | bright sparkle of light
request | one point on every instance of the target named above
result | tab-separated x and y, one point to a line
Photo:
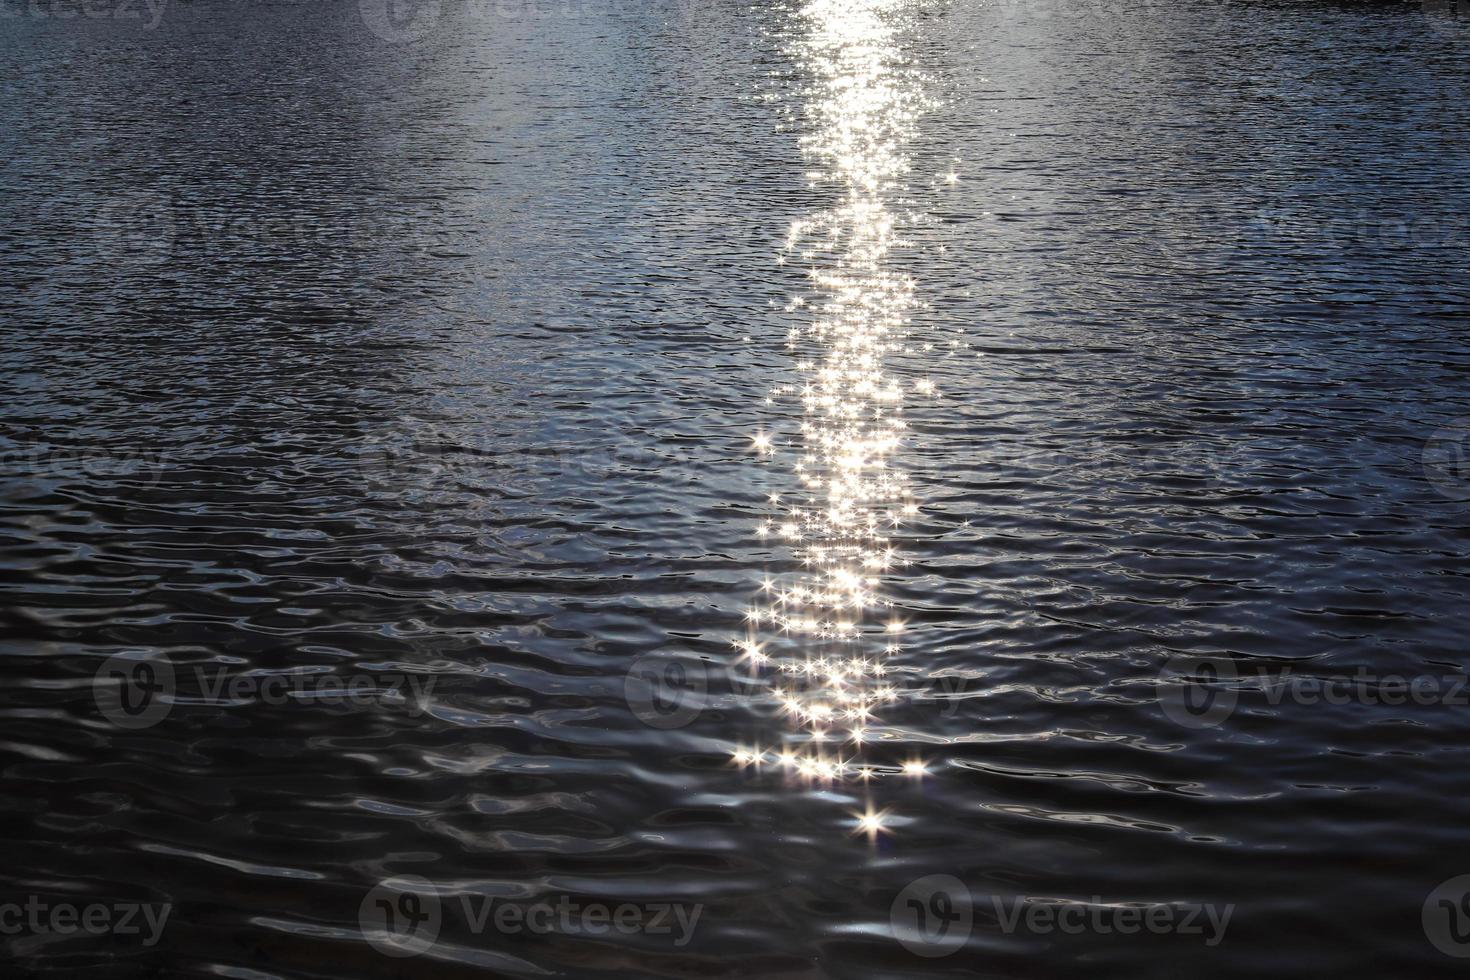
872	822
748	757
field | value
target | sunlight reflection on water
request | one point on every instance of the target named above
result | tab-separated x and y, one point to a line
824	627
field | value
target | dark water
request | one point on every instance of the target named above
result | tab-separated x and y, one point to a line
426	348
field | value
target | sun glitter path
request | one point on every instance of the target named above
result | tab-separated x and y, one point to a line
825	630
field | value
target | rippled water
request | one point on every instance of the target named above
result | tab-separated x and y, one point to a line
749	459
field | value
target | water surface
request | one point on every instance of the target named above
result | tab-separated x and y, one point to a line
471	342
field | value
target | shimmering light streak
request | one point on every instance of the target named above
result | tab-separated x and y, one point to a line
825	629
